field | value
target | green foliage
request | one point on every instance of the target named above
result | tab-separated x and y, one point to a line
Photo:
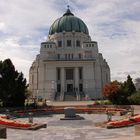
112	91
135	98
28	93
118	93
128	86
12	85
105	102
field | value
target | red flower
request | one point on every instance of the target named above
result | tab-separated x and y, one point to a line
13	123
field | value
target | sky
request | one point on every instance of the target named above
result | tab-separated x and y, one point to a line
114	24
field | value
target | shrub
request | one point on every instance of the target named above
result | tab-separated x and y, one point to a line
135	98
107	102
96	103
118	92
113	92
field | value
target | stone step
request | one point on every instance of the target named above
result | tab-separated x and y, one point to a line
69	98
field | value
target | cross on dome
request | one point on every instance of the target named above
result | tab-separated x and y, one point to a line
68	6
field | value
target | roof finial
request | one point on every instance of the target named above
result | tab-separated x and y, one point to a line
68	12
68	6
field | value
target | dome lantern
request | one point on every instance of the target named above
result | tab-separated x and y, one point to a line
68	12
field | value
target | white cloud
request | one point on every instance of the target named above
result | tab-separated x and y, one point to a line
20	56
2	27
114	24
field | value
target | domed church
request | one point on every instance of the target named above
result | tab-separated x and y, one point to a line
69	66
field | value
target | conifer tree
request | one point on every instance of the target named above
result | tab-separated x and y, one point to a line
12	85
129	86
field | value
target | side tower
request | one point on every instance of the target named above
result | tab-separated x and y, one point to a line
69	66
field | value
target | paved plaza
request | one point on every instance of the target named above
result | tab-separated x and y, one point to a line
71	130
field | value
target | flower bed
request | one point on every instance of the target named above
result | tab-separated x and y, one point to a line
4	116
13	123
130	121
61	110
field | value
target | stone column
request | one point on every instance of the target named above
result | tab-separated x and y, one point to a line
44	81
62	82
76	78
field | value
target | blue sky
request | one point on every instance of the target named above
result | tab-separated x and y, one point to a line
114	24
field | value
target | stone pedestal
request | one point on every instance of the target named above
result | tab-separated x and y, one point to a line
109	116
3	132
70	114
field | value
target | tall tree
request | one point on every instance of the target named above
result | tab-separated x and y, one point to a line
128	86
12	85
20	96
112	91
119	93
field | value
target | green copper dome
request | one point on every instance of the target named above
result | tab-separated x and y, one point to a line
68	23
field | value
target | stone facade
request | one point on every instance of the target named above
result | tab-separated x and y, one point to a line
69	67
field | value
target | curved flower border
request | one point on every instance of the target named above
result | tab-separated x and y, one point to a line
13	123
124	122
77	109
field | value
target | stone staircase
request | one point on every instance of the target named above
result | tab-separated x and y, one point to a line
82	96
70	96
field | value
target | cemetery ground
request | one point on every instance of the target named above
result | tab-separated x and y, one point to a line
72	129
